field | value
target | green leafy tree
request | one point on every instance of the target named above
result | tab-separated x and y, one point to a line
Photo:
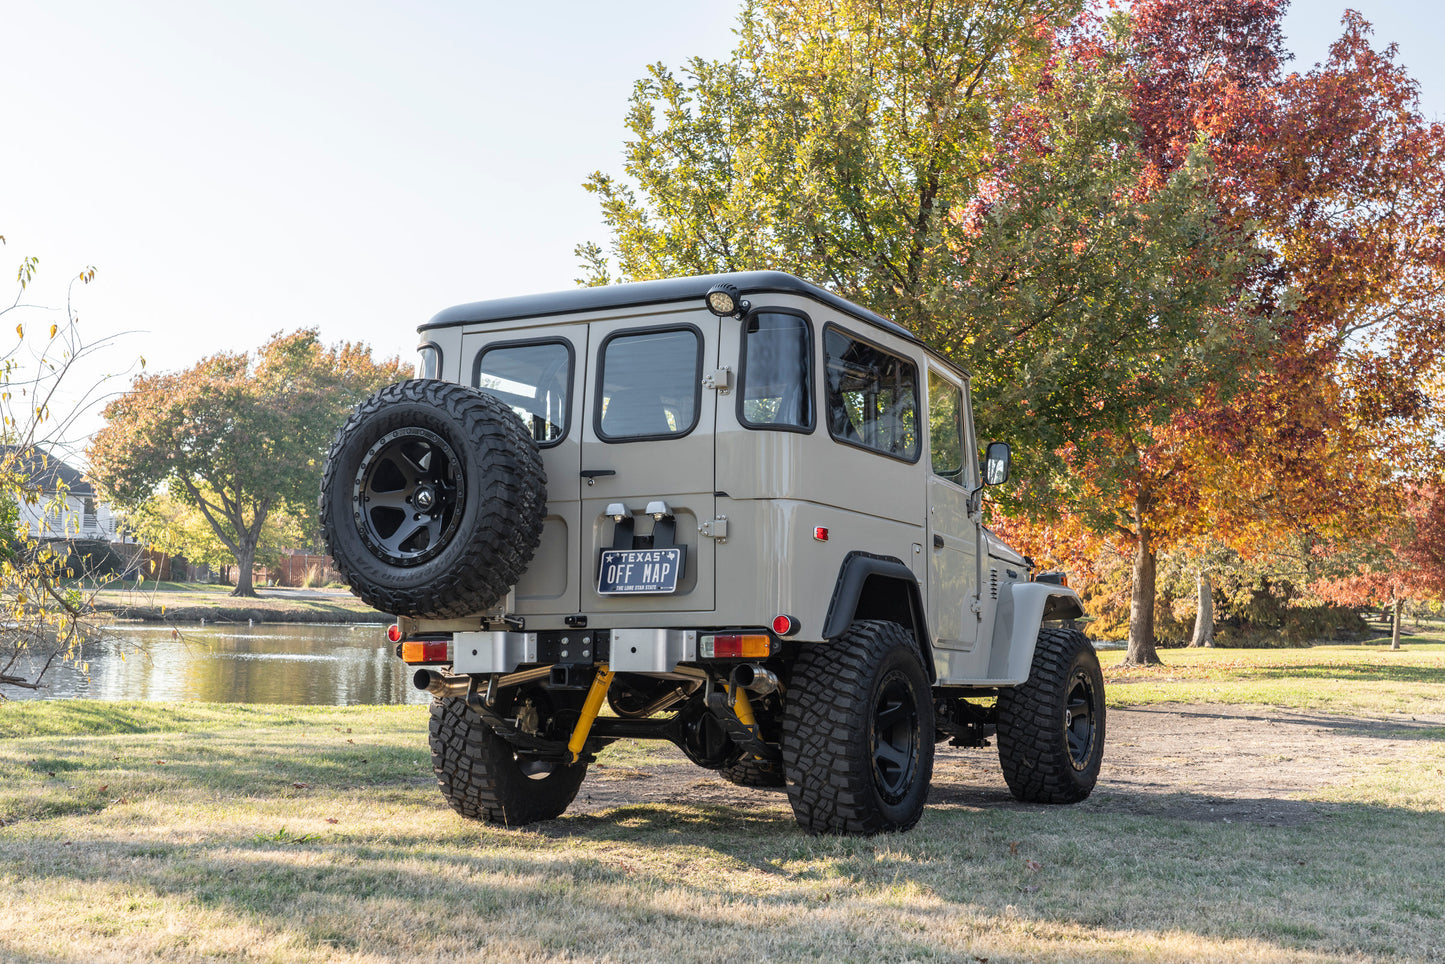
971	171
237	436
835	143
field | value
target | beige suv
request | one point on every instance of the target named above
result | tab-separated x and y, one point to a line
738	510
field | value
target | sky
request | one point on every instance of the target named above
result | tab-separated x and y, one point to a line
233	170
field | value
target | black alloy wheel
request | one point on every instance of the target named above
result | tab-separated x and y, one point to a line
1079	728
893	738
406	498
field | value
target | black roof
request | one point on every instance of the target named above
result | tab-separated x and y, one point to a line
43	470
650	293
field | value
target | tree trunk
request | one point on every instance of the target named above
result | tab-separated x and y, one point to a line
1141	607
1395	628
245	562
1204	622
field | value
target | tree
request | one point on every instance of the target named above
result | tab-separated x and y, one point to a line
835	143
236	436
45	615
969	170
1406	562
1338	177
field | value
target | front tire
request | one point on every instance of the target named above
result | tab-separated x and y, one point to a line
484	778
858	732
1051	728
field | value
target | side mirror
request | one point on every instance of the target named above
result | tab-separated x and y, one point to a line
997	460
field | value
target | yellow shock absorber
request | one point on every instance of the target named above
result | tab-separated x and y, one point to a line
742	707
590	708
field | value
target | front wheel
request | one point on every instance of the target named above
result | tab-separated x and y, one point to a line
858	732
1051	728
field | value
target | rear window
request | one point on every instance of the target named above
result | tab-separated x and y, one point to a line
533	378
777	373
650	384
872	396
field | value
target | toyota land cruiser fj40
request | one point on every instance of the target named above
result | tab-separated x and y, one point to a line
738	510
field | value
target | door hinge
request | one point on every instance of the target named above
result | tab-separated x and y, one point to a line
716	529
720	379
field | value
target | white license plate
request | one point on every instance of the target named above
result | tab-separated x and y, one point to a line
639	571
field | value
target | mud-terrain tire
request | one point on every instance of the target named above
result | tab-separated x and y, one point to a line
753	772
858	732
1051	728
483	778
432	499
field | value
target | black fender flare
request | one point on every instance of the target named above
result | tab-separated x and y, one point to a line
858	571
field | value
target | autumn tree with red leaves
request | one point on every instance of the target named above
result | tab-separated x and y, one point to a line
1339	179
1407	561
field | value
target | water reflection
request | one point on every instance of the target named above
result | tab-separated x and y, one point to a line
276	663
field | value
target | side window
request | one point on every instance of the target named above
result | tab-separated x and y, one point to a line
535	379
777	373
872	396
649	384
945	428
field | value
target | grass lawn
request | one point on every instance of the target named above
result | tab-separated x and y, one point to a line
186	601
188	832
1365	678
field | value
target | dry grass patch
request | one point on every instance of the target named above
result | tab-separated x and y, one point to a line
238	833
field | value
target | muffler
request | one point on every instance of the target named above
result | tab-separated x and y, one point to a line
755	679
441	684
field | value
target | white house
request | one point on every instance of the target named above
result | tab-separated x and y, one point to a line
65	505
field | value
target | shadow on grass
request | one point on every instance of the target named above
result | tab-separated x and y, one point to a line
1384	729
1348	672
665	881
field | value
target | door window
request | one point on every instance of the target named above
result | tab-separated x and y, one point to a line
649	385
777	373
533	378
945	428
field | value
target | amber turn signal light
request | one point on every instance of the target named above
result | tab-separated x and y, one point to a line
735	647
427	651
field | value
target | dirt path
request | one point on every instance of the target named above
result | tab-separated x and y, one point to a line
1207	763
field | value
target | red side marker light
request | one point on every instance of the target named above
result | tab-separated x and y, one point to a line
820	533
393	633
785	625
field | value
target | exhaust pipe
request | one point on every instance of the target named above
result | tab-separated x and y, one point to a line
756	679
441	684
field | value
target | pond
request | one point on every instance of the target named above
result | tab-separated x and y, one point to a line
266	663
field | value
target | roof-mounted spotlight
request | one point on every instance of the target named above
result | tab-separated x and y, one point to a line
725	300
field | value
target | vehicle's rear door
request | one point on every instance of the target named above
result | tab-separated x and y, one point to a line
542	373
647	465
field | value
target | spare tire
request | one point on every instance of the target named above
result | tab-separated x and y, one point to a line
432	499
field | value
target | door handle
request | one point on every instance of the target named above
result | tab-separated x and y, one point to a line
597	473
937	541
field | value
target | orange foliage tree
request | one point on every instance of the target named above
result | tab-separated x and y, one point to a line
1407	561
1338	178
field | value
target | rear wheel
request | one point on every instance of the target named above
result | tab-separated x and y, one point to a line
484	778
1051	728
858	732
